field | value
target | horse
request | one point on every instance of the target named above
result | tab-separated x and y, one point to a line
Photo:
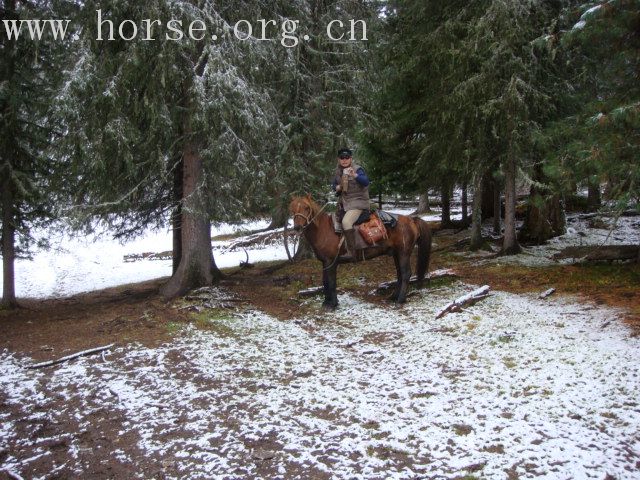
318	228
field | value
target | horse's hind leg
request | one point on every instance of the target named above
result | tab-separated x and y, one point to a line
396	290
404	275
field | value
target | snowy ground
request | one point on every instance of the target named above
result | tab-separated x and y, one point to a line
580	232
75	264
514	387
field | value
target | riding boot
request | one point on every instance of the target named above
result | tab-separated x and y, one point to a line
350	242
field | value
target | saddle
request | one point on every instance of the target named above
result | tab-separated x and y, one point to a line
370	227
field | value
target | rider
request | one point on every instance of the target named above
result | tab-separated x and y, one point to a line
352	185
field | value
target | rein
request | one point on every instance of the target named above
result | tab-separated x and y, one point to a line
309	222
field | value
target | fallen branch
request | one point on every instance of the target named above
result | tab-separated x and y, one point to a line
468	299
443	273
310	292
12	475
260	239
600	253
626	213
133	257
84	353
547	293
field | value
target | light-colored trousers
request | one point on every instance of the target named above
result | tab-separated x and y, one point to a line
349	219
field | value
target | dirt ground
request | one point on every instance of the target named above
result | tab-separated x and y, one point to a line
52	328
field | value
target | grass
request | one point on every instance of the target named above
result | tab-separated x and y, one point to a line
173	327
615	285
461	429
509	362
213	320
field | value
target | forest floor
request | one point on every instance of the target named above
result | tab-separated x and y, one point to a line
248	380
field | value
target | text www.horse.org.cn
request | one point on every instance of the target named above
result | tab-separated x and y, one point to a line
336	30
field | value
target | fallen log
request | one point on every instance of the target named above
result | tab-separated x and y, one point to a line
596	253
11	474
468	299
547	293
310	292
259	240
443	273
84	353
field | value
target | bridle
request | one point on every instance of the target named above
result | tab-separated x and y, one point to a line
309	221
308	218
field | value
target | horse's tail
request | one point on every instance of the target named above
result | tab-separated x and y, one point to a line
424	248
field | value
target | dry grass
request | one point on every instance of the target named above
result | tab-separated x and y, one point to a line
615	285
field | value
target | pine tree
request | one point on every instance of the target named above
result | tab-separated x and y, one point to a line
316	88
603	46
467	88
412	139
141	114
30	72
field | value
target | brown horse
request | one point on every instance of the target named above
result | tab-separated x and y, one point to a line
318	229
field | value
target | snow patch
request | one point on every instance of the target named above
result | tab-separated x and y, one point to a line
546	387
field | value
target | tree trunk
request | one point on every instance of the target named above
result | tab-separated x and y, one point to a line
445	195
594	198
304	250
8	200
279	217
497	209
423	204
8	246
176	216
216	274
196	261
488	184
536	228
510	244
557	216
465	204
476	213
545	214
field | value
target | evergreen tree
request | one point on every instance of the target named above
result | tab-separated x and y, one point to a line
316	89
603	127
468	87
409	134
30	73
512	87
152	122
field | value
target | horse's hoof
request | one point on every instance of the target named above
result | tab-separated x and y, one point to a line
392	299
328	306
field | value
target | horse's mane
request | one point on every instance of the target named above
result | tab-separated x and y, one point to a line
315	208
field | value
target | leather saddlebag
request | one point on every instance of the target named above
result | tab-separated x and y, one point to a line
373	230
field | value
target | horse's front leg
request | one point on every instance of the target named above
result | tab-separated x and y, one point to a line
330	285
404	276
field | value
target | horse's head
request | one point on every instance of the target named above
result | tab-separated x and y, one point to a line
304	211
